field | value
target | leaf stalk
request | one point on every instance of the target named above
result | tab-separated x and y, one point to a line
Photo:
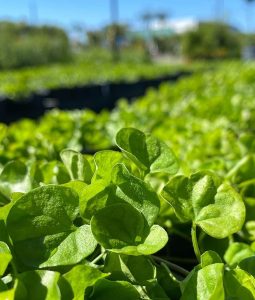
195	242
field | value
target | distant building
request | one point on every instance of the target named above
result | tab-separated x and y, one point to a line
151	33
160	29
165	28
177	26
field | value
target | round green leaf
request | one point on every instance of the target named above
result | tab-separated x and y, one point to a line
225	216
155	241
217	209
239	285
17	177
40	285
248	265
77	165
105	290
40	220
77	245
78	279
209	258
5	257
105	161
136	192
119	225
147	152
135	269
236	252
204	284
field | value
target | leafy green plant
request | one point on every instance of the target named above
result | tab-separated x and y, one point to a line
23	83
102	232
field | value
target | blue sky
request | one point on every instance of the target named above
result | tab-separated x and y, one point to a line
95	13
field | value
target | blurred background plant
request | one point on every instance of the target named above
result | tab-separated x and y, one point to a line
23	45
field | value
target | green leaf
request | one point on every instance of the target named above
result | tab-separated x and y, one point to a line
155	241
40	221
224	217
119	225
239	285
9	294
95	196
54	172
78	245
152	290
17	177
243	171
147	152
209	258
39	285
106	290
249	227
203	201
136	192
237	252
169	283
4	199
78	186
77	165
123	187
135	269
189	195
77	280
112	228
16	195
204	284
248	265
105	161
3	287
5	257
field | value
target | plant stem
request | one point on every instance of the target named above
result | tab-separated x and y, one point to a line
172	266
98	258
15	271
170	272
194	242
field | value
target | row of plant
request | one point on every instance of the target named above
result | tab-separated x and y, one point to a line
135	221
90	227
18	84
207	119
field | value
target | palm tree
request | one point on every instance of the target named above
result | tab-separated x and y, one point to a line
147	18
161	16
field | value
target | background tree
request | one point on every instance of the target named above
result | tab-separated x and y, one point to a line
212	41
23	45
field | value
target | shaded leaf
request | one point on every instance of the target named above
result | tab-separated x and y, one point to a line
40	220
147	152
77	280
77	165
217	209
106	290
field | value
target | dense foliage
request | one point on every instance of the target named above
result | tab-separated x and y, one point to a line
162	216
212	41
23	83
23	45
89	227
212	111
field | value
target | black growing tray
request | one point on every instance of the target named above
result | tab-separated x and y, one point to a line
95	97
